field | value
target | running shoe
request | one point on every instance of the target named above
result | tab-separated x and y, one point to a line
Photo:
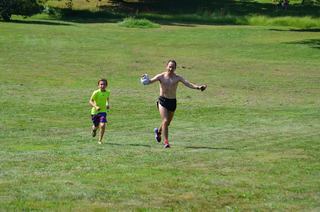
157	135
167	145
93	133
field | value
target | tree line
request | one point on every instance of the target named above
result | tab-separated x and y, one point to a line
31	7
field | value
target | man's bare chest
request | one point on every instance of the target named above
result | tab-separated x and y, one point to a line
169	81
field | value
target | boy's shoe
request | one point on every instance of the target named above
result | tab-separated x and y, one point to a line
93	133
167	145
99	142
157	135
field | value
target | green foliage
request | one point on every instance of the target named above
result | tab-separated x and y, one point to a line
302	22
138	23
310	2
69	4
19	7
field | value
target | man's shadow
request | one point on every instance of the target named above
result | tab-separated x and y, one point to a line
206	147
187	147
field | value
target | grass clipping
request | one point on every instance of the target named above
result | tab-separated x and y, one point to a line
138	23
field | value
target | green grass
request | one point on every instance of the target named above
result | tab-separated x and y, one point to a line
249	142
301	22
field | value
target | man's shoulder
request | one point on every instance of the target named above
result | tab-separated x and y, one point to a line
178	77
162	74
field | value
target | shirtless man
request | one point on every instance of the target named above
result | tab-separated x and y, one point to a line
167	101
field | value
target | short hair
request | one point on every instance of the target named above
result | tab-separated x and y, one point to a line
173	61
103	80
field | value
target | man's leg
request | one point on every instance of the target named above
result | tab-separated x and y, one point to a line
102	127
170	117
166	118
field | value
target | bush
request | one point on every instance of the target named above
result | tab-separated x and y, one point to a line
19	7
138	23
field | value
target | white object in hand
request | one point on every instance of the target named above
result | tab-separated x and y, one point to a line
145	79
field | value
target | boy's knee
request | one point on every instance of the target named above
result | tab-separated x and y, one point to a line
102	125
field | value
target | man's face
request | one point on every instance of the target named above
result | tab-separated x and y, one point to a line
171	67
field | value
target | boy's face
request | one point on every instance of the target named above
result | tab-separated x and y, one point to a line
102	85
171	67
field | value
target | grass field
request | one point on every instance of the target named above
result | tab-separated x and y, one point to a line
249	142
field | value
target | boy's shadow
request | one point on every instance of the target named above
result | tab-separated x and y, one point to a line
115	144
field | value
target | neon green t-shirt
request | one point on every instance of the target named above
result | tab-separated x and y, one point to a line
101	100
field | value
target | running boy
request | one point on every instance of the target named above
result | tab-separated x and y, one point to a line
167	101
99	101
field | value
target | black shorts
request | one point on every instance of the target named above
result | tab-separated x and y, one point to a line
169	104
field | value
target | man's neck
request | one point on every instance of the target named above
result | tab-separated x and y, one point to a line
170	73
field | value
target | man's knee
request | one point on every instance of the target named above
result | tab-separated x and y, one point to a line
166	122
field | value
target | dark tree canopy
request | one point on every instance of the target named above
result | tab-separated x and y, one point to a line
19	7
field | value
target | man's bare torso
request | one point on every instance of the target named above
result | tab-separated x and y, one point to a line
168	85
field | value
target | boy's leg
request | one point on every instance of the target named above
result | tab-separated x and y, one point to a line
102	127
95	125
94	131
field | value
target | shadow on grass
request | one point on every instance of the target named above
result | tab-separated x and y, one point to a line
137	145
50	23
187	147
297	30
305	30
313	43
205	147
87	16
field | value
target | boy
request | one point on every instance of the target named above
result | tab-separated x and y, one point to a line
99	101
167	101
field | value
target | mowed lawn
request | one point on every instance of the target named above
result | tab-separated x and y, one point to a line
249	142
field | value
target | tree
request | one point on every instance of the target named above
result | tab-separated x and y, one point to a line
310	2
19	7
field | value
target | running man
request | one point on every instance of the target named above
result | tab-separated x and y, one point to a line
99	101
167	101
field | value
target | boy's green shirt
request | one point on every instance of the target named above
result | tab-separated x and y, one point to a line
101	100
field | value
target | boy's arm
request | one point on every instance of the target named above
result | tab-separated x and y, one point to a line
192	85
108	103
93	103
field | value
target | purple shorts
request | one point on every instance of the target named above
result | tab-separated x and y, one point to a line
99	118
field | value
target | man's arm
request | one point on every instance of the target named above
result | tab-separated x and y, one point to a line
192	85
154	79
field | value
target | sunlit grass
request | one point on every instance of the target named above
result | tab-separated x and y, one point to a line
300	22
249	142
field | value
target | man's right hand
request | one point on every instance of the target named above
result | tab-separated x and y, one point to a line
203	87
